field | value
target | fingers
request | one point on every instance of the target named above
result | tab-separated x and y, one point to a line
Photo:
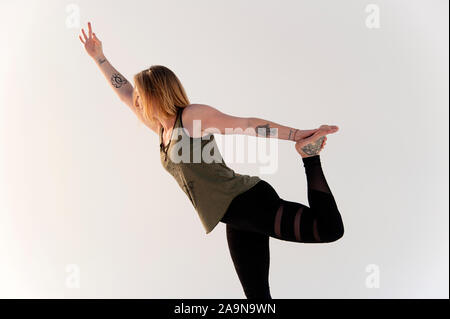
84	34
81	39
95	37
90	30
312	138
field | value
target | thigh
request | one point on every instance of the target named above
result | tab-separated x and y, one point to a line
296	222
262	211
254	210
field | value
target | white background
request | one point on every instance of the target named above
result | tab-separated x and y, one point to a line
80	177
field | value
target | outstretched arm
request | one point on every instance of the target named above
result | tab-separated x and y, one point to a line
265	128
116	80
214	121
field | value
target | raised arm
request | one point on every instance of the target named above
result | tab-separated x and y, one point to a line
116	80
214	121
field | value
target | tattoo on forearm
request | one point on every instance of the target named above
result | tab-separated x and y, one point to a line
313	148
117	80
100	61
265	130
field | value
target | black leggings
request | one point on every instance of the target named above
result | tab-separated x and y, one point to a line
260	213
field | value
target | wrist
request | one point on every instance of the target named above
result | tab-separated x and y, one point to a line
302	134
295	135
100	59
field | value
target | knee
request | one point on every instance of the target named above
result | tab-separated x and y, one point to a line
336	234
339	234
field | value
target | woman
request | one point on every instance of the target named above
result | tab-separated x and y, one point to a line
249	206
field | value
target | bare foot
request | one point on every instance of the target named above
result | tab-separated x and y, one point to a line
314	144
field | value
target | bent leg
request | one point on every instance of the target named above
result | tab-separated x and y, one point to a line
322	202
261	210
319	223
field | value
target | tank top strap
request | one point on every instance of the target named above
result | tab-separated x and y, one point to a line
175	125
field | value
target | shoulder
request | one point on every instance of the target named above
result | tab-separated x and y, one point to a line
198	112
212	119
201	112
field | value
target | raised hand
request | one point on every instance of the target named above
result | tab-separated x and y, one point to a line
91	43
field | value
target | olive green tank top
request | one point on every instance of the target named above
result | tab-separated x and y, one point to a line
200	171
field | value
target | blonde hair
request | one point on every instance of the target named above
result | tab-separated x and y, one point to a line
160	91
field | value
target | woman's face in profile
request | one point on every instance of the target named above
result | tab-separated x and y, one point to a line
139	106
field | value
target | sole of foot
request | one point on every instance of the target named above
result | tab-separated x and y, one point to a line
314	144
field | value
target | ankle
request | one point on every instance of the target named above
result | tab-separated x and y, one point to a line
308	156
311	160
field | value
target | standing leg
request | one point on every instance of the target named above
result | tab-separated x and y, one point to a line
250	254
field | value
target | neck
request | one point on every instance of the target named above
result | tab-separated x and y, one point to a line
168	124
